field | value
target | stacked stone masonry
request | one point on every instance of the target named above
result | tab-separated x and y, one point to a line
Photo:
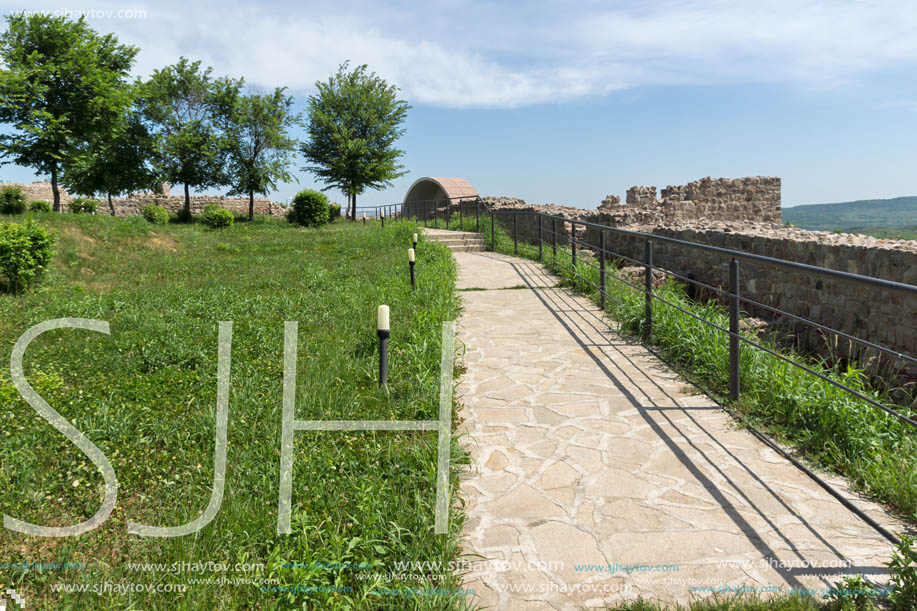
744	214
127	206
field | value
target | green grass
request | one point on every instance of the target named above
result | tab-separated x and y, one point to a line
146	396
874	450
743	602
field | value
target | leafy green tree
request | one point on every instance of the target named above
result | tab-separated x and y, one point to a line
258	149
117	162
63	84
354	121
178	103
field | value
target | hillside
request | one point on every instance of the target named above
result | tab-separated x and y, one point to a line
863	216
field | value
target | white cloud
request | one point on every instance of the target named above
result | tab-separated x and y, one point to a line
483	54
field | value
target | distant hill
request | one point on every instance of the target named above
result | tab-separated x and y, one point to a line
863	216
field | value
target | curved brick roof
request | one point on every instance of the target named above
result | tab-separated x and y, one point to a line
428	188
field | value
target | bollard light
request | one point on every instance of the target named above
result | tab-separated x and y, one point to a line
383	329
411	263
364	218
382	216
415	240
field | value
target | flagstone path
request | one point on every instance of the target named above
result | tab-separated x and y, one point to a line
588	450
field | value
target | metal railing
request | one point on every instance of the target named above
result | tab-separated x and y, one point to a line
441	210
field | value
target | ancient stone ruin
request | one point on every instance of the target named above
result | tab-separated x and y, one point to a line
744	214
135	203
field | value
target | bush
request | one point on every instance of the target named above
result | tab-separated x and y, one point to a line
182	216
12	200
216	217
334	211
83	205
25	251
40	205
903	571
309	209
156	214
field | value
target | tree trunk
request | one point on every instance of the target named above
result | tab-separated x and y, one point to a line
187	202
251	205
54	189
111	205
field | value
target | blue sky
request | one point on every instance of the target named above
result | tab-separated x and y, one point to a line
566	102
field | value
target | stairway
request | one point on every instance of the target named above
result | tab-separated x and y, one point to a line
457	241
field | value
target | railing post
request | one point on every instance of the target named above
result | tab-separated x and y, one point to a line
602	268
425	214
648	286
461	220
554	237
493	234
734	330
477	216
515	233
447	214
540	235
573	248
434	215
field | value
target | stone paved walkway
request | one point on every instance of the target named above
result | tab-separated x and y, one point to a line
586	449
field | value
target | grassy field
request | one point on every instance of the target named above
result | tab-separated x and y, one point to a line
146	396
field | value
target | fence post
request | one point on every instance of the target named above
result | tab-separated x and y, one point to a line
447	214
573	248
477	216
602	268
434	215
461	220
425	214
515	233
540	235
554	237
493	234
648	286
734	344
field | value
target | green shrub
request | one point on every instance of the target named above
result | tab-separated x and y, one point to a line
334	211
12	200
25	251
903	572
83	205
39	205
216	217
309	209
156	214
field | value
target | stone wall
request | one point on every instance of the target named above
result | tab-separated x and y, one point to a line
39	190
126	206
743	214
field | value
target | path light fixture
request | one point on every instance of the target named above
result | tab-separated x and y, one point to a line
411	262
415	241
383	329
364	218
382	216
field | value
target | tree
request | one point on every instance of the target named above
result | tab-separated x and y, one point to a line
63	85
354	121
255	138
178	106
116	162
